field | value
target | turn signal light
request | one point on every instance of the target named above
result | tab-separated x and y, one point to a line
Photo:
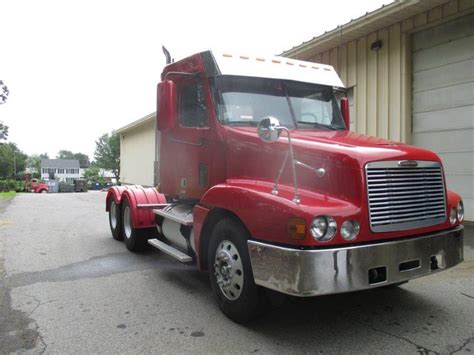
296	228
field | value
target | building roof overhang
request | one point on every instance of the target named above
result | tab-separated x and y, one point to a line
135	124
373	21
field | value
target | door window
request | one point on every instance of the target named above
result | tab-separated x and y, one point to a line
192	105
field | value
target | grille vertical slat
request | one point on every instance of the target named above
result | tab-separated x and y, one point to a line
402	198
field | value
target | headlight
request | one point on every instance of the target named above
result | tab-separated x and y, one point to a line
452	216
460	211
350	230
323	228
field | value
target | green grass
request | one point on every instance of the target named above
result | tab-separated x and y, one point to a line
7	195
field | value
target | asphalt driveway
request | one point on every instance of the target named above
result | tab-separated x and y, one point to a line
68	287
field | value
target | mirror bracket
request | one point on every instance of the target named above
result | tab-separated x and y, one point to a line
269	130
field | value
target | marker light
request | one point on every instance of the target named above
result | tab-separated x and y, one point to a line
296	228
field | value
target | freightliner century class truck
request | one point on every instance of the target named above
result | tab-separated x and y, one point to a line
263	185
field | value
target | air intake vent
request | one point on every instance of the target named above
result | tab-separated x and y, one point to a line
405	197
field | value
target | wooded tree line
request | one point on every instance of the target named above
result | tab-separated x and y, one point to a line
14	162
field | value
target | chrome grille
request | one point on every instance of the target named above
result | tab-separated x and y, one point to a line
402	198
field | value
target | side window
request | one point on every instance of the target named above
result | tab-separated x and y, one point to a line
192	105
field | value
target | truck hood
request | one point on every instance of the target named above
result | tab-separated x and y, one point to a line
342	154
354	149
357	148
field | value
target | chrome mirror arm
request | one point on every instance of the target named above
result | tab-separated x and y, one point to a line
275	187
296	197
319	171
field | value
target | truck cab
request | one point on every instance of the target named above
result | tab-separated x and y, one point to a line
262	184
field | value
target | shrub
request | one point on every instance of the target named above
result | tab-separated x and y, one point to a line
8	185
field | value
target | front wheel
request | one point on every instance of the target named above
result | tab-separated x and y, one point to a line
231	274
134	238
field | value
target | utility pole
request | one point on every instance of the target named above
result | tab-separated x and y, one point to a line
14	163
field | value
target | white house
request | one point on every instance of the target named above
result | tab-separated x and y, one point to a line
61	169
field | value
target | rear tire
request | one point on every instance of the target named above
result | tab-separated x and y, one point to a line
115	221
231	275
134	238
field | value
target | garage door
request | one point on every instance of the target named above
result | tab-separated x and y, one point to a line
443	101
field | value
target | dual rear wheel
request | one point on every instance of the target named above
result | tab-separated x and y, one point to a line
121	226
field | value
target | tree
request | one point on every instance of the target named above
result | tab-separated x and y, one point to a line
92	174
3	92
3	132
65	154
84	161
12	160
33	162
107	153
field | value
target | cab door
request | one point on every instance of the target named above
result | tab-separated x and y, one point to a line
185	168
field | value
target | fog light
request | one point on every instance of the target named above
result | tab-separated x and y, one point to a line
323	228
350	230
460	211
452	216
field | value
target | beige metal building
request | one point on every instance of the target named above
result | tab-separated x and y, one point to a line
138	151
409	70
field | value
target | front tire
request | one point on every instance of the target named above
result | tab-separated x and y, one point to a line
230	273
134	238
115	221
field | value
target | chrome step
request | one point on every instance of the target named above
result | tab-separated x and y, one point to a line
167	249
186	220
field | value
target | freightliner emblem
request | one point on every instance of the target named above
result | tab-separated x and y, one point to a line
409	163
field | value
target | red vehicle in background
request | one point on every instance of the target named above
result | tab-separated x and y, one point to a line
263	185
34	185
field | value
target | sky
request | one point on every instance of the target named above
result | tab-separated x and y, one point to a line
78	69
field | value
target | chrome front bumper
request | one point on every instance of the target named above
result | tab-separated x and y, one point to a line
315	272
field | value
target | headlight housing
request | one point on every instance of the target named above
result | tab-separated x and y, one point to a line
452	215
323	228
460	213
350	229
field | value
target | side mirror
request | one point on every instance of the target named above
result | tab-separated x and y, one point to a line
345	112
166	102
269	129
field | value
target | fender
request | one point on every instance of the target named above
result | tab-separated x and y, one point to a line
115	192
143	217
453	200
265	215
136	194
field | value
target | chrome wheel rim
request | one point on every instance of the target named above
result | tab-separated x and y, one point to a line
113	215
127	222
228	270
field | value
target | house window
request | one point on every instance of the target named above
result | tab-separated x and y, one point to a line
60	171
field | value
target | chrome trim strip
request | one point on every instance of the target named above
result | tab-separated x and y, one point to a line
152	205
200	144
315	272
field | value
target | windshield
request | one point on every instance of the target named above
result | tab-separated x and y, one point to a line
245	101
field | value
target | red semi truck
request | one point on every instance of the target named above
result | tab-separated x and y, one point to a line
262	184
